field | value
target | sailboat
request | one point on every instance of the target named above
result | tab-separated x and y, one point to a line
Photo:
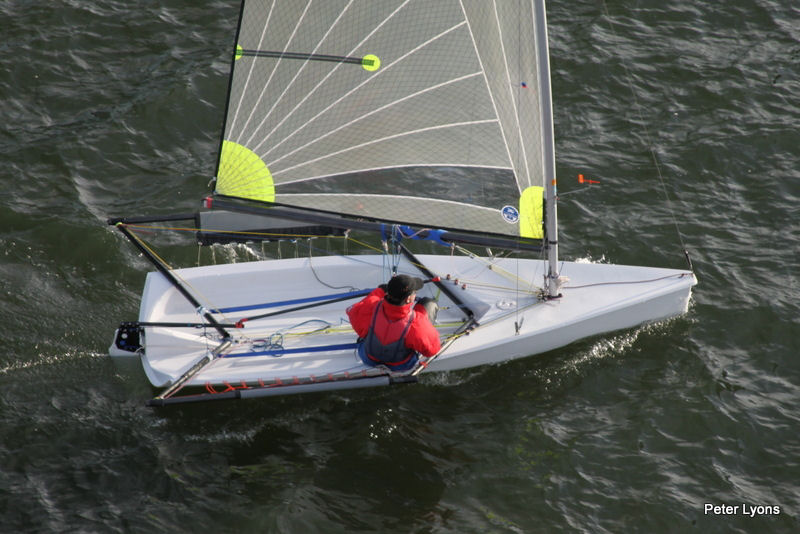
424	126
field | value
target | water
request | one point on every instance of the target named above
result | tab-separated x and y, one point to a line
114	108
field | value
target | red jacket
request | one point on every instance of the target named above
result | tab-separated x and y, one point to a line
421	337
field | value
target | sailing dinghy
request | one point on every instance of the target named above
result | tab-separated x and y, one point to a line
424	126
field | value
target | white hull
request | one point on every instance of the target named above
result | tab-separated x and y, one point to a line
597	298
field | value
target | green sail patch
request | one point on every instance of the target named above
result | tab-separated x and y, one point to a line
243	174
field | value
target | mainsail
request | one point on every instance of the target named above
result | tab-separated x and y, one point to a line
429	113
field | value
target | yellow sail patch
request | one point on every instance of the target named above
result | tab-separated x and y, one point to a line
371	62
531	211
243	174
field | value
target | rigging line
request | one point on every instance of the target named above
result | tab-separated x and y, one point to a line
496	287
387	138
377	110
517	93
308	58
274	70
494	267
474	283
338	329
199	295
489	89
521	153
238	232
351	258
252	67
517	320
332	71
361	243
535	272
510	86
681	275
379	73
288	330
314	272
651	147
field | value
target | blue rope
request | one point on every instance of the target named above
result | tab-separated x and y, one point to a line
433	235
235	309
282	351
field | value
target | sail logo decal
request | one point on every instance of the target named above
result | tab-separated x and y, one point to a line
510	214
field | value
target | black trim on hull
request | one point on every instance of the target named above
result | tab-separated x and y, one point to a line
291	389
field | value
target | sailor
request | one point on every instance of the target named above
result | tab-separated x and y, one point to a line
393	330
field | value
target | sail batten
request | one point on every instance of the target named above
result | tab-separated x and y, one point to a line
291	83
522	162
399	168
384	139
320	83
274	70
330	96
346	95
378	110
232	126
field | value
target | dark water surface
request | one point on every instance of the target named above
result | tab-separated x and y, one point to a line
114	108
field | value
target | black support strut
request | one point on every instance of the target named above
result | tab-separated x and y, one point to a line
163	269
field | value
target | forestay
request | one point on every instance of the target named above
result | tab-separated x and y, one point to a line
431	113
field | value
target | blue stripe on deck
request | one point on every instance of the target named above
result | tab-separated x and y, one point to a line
281	352
234	309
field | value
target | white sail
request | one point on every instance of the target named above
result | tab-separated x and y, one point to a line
415	111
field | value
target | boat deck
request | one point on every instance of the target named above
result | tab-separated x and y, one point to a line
317	343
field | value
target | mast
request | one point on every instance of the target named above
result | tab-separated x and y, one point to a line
548	150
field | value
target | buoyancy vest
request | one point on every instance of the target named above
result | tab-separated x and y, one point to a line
391	354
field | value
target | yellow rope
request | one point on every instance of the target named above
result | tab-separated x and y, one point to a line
238	232
365	245
249	233
341	329
496	269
